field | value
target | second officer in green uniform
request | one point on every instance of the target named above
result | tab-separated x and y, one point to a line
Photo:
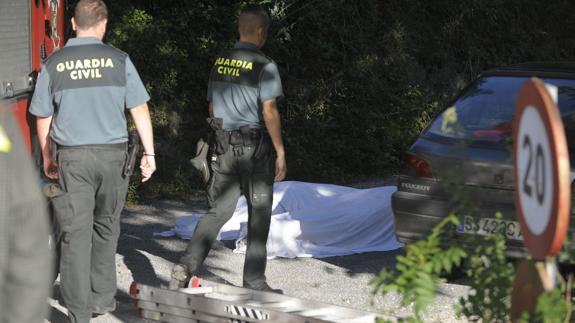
248	153
80	101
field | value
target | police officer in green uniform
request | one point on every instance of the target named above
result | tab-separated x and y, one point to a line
25	258
242	92
80	100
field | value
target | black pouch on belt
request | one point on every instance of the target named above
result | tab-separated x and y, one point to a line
221	141
250	136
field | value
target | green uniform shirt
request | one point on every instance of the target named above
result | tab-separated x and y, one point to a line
241	80
86	86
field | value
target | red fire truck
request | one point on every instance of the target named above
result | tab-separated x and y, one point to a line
30	30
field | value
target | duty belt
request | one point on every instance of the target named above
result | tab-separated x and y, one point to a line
244	136
120	146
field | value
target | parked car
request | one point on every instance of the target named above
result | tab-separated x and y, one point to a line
462	162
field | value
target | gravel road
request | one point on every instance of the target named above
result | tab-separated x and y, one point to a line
342	281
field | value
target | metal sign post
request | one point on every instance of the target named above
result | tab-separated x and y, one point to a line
542	191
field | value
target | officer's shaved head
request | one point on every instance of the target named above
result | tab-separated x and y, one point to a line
88	13
251	18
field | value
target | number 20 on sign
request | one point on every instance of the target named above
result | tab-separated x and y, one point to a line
541	160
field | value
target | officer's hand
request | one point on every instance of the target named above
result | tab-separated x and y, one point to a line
281	169
147	167
50	168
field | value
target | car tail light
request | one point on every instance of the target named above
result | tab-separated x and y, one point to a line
419	165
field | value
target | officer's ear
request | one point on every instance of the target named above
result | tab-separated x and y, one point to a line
103	24
74	25
101	28
262	33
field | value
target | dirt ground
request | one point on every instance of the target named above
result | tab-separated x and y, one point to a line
342	281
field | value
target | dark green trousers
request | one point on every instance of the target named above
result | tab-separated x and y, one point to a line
88	216
237	172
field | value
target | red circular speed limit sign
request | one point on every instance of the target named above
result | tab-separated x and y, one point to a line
541	160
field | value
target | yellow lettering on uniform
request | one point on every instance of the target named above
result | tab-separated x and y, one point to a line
95	63
60	67
109	63
78	65
69	65
239	63
231	71
86	73
98	75
249	66
87	63
74	75
226	62
233	62
219	61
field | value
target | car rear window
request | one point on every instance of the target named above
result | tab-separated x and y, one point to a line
484	112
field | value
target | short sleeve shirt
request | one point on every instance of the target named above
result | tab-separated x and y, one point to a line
241	80
86	87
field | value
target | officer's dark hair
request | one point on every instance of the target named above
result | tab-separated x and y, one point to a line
90	12
251	17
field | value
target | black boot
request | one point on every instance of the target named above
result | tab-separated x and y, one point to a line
264	288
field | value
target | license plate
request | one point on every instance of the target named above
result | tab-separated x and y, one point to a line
488	226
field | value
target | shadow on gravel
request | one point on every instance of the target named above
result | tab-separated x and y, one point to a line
137	239
364	263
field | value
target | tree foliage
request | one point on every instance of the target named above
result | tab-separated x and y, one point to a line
361	78
491	278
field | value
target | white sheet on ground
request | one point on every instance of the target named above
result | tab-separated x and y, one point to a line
314	220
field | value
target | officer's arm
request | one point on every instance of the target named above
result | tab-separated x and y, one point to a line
211	109
273	125
43	128
141	116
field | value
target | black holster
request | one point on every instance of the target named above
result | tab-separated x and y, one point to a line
133	149
220	138
260	139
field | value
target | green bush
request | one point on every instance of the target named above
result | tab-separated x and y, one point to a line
361	78
491	278
419	272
